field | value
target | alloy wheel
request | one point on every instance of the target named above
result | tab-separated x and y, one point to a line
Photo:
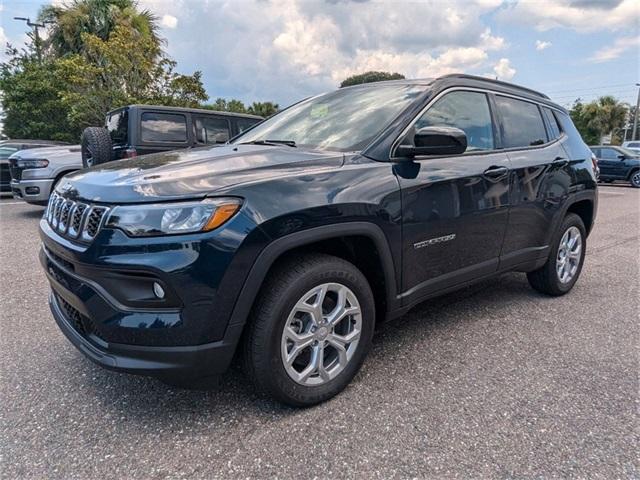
569	255
321	334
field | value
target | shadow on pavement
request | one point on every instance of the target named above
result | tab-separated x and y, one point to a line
149	401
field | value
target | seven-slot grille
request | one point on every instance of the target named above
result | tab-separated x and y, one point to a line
75	220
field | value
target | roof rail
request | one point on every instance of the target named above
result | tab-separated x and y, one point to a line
499	82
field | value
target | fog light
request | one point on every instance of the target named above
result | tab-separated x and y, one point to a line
158	290
32	190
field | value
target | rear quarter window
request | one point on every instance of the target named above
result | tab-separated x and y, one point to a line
554	127
522	124
163	127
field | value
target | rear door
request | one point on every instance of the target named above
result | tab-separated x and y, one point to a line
455	208
540	178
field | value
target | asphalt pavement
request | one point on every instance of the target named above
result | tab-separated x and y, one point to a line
494	381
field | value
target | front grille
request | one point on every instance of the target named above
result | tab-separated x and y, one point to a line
74	220
16	173
5	173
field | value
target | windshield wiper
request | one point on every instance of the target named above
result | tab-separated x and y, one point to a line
288	143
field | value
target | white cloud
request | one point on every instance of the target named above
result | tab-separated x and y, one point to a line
620	46
580	15
287	49
542	45
504	70
169	21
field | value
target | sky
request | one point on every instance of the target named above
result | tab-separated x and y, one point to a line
285	50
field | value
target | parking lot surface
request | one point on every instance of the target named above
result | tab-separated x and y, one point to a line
492	381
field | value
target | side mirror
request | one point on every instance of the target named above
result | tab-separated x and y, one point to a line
622	157
435	141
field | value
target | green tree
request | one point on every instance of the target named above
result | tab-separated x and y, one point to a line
368	77
605	116
589	134
264	109
122	70
31	101
108	58
70	23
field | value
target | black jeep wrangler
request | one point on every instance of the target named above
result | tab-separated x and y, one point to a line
140	129
290	243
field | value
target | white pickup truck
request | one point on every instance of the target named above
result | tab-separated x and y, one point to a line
35	172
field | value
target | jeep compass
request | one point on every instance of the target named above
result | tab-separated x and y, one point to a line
287	245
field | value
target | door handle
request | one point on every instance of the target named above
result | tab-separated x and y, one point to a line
495	172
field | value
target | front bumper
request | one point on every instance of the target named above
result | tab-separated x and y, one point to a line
32	191
164	362
70	309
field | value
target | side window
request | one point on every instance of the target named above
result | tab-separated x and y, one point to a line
211	129
522	125
553	123
163	127
468	111
609	154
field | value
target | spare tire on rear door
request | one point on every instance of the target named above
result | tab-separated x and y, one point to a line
96	146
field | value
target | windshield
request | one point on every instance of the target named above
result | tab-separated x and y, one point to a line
5	152
629	153
344	120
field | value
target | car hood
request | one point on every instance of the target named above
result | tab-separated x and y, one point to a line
49	153
192	173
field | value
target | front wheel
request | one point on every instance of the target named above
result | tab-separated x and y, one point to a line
635	179
562	269
310	330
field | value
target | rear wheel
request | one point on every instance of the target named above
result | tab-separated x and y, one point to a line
562	269
95	146
310	330
635	179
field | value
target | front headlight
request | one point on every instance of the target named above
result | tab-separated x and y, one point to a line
173	218
32	163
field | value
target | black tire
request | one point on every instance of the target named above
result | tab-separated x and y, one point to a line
634	179
261	350
546	279
95	146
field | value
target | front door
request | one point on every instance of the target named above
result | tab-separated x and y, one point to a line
455	208
610	163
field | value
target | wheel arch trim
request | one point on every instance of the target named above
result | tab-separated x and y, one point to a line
282	245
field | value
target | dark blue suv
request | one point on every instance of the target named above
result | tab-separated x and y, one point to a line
290	243
618	164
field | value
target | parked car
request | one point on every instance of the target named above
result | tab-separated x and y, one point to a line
633	145
618	164
35	172
141	129
294	240
8	148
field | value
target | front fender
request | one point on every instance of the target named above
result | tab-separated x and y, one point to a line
280	246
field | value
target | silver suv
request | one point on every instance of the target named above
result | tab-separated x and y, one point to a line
35	172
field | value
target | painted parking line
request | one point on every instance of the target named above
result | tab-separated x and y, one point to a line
12	203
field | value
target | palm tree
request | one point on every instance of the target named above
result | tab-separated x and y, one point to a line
97	17
605	115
